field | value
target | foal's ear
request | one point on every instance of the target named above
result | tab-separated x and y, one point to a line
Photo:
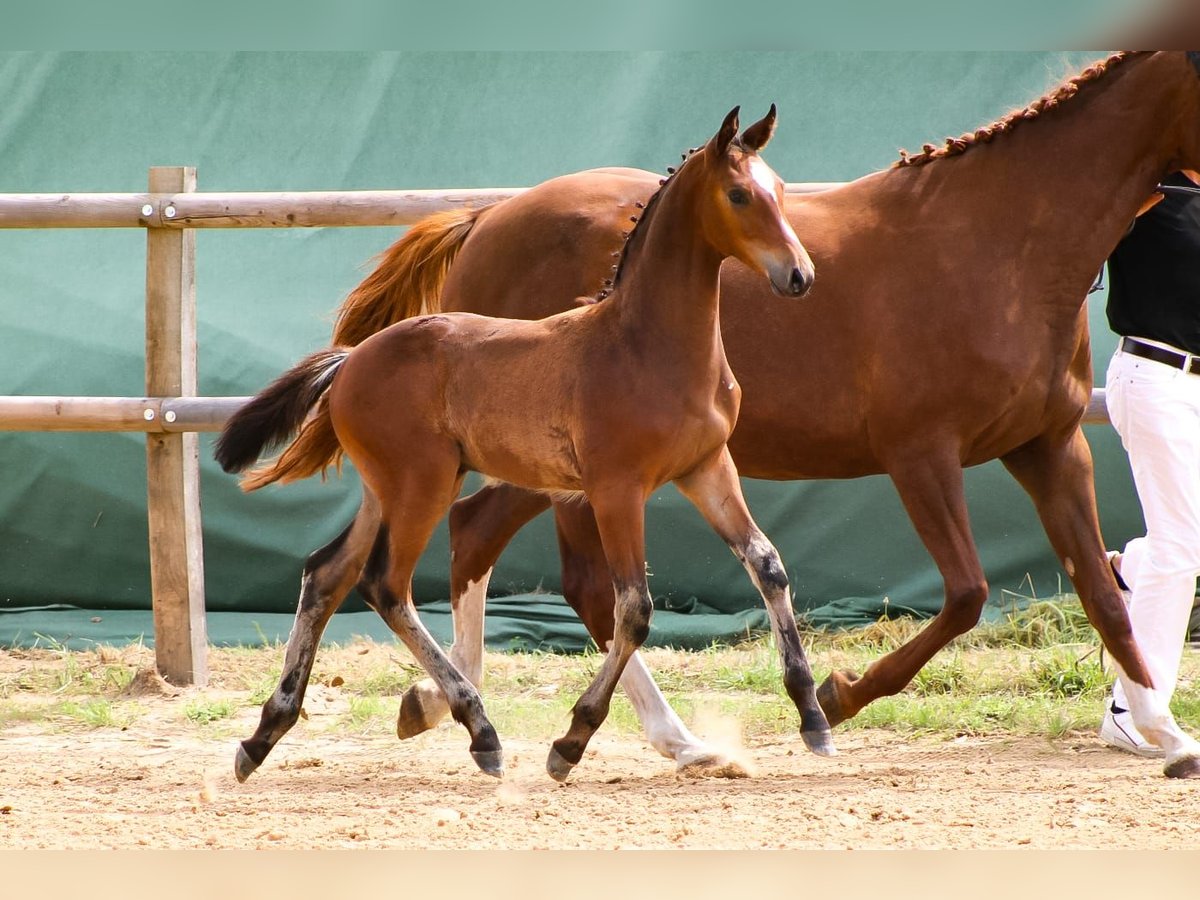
756	136
729	129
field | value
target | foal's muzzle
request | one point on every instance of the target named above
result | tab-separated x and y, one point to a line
792	282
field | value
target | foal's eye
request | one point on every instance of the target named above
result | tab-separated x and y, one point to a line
739	197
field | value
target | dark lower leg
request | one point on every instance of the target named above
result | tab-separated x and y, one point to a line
716	492
389	565
328	575
621	526
591	709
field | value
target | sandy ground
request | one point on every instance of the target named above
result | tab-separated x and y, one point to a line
163	784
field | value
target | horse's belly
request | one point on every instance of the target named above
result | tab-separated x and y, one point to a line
538	458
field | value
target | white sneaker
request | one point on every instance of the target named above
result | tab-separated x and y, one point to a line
1117	731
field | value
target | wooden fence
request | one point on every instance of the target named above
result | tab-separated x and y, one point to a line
171	414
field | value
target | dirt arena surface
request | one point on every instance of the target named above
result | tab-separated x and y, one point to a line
156	784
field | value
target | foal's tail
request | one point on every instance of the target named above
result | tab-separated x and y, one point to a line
296	400
408	280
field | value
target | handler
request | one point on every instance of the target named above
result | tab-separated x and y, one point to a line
1153	392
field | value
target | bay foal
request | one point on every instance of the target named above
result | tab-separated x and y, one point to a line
609	400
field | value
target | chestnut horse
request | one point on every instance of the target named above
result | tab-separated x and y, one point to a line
954	332
610	401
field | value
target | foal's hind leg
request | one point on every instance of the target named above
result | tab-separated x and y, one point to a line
715	490
1059	478
412	502
481	526
620	515
930	484
587	586
329	574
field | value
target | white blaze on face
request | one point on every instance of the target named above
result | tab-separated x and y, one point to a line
762	175
765	178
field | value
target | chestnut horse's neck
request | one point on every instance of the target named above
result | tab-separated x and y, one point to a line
667	284
1072	178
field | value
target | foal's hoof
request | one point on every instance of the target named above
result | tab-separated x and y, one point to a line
557	766
412	720
1185	766
831	696
243	765
819	742
490	762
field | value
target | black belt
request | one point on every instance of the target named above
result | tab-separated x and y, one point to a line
1171	358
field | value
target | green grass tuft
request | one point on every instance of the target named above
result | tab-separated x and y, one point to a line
205	712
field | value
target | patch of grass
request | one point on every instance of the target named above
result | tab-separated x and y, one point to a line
95	713
387	682
264	688
203	711
940	677
1061	673
12	713
369	715
57	670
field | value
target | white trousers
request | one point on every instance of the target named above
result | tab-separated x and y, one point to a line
1156	411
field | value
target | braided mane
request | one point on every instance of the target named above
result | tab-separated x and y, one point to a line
959	145
647	211
639	221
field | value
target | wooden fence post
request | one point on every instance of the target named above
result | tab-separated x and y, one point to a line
172	460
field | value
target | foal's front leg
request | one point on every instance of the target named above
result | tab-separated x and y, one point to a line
620	515
715	490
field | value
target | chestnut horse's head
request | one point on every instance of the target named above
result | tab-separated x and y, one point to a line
743	215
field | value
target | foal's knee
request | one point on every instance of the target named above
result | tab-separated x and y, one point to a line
764	561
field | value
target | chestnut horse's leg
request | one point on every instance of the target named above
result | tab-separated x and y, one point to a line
413	497
1059	478
620	515
930	484
328	576
587	586
481	526
715	490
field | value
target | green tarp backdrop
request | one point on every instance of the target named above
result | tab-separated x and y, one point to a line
73	532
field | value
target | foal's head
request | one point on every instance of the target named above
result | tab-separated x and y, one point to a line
742	215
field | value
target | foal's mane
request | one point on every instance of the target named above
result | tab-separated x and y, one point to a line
648	209
1068	89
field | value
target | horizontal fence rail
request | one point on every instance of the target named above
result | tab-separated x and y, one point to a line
182	414
165	414
256	209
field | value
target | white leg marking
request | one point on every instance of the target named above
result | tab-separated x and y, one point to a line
467	651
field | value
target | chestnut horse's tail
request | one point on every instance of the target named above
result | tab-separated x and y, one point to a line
296	401
408	280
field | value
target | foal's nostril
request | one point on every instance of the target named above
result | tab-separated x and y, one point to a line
798	284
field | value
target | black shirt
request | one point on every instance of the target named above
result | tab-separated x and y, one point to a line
1154	274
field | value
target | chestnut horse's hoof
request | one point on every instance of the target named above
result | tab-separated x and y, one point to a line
412	720
1186	765
831	697
819	742
490	762
709	764
557	766
243	765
